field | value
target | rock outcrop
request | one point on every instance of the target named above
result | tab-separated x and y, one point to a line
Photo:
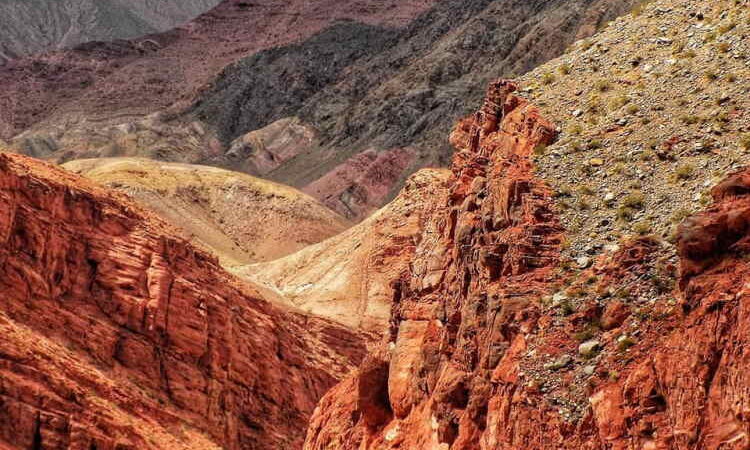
119	335
497	343
482	261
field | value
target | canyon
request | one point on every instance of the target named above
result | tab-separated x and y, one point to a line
340	226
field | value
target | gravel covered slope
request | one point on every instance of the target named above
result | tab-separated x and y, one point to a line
653	113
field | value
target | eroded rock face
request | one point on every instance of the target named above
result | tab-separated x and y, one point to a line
462	368
116	334
480	262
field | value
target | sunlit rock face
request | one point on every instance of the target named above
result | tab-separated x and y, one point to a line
118	333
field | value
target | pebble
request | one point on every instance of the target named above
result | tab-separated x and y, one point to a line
559	363
588	348
583	262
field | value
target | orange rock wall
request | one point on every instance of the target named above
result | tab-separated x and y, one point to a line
118	335
451	375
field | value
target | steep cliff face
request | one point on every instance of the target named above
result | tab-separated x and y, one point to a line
496	343
481	263
119	335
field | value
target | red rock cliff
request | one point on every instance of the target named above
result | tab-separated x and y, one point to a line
478	359
117	335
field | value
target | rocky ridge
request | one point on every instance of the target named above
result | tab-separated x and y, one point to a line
119	334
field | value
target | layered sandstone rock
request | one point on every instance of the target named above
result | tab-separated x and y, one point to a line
479	356
481	262
119	335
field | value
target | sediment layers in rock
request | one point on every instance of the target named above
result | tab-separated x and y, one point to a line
118	334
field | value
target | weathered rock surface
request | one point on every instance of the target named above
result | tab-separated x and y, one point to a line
349	277
482	260
239	218
470	360
119	335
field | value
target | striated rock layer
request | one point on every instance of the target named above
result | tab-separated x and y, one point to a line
480	264
119	335
476	360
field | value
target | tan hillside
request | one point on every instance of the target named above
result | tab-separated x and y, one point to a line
241	218
348	277
653	112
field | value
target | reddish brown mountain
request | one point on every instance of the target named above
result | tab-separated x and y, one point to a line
119	335
496	344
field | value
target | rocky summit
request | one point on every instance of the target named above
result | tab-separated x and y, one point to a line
418	225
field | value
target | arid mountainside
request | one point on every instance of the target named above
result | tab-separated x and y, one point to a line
116	83
401	100
349	277
372	96
497	343
119	334
239	218
35	26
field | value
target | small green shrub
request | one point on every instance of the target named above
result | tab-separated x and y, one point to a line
642	228
602	86
685	171
634	200
745	141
